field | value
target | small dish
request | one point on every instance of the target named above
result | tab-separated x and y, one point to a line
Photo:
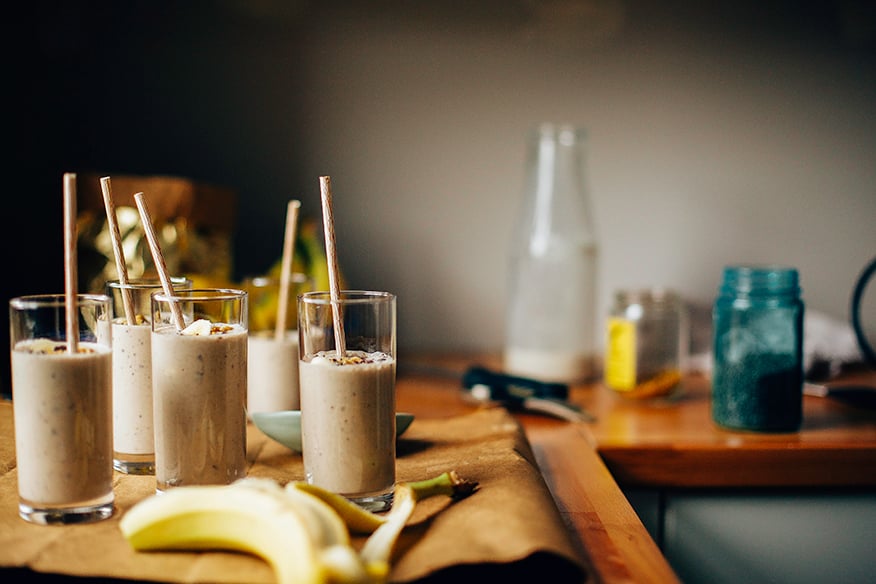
285	426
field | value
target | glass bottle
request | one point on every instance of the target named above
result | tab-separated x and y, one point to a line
647	343
551	310
757	377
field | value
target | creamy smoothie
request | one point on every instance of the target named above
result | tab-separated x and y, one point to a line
199	384
133	428
133	418
348	422
62	404
272	369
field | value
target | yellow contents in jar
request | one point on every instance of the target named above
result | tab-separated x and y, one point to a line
621	364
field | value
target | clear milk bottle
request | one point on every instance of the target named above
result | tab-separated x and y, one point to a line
551	305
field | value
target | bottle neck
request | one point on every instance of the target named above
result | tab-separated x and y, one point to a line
557	202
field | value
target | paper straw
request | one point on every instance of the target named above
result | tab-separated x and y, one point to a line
118	252
325	188
158	258
286	269
71	273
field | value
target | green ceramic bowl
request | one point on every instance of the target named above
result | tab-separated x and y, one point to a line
285	426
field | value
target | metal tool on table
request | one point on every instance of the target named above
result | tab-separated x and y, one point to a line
522	394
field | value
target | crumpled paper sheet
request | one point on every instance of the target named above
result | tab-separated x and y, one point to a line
510	526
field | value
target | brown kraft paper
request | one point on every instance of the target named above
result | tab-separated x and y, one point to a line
509	526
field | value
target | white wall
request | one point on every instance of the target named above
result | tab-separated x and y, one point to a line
739	131
709	146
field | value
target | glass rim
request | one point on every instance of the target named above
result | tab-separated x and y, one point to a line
29	301
146	283
200	295
323	297
269	280
654	294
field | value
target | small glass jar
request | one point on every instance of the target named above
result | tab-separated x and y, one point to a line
757	377
647	343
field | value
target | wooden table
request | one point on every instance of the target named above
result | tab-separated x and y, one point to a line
613	539
613	542
587	464
658	444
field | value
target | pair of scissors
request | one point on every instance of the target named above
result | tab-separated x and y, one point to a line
522	393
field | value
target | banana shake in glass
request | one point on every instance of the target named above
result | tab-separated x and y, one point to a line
348	394
272	357
199	363
133	427
62	407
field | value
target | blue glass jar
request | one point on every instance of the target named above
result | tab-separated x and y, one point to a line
757	376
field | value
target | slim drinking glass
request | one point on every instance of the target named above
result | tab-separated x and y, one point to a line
348	394
199	367
133	421
62	407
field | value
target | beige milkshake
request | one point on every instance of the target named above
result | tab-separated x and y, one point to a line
62	406
133	441
272	366
348	424
133	420
68	394
199	384
273	346
348	394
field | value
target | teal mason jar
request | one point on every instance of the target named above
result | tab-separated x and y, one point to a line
757	376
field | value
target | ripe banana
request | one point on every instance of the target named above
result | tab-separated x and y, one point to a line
228	517
302	531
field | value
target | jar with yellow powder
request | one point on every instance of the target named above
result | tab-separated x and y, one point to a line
647	343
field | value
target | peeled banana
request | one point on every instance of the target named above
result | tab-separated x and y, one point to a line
233	517
301	530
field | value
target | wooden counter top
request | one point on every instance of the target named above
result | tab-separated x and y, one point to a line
612	538
674	443
658	444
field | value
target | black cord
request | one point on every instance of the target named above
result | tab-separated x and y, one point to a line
857	294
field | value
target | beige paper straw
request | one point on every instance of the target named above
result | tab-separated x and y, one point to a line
158	258
71	272
118	252
325	188
286	269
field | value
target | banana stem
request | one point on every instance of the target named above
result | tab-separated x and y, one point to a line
448	483
378	547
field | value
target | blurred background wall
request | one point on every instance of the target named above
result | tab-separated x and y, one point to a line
720	132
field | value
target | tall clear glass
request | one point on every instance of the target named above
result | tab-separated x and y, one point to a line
133	420
272	385
62	407
348	394
199	367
